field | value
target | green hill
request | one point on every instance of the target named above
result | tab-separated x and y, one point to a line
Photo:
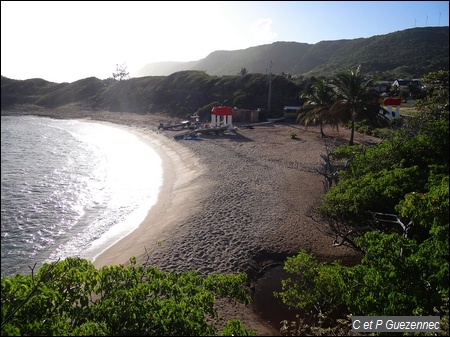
406	53
179	94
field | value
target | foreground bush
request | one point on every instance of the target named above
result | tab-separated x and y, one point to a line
71	297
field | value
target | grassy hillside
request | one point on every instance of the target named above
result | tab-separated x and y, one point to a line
179	94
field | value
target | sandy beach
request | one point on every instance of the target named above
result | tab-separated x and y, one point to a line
239	202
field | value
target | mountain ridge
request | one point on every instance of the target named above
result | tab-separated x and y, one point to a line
416	50
405	55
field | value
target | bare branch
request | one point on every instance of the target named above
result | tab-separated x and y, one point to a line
380	218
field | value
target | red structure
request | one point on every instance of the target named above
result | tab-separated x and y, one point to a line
221	115
393	101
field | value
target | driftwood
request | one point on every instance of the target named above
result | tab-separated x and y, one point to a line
330	170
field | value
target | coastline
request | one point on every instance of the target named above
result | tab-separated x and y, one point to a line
180	168
229	203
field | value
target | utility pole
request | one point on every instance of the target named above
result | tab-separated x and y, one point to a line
269	103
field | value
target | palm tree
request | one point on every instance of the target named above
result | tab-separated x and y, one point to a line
317	107
355	98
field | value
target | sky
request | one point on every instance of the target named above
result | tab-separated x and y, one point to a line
65	41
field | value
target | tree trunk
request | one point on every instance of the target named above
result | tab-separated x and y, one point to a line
352	134
322	134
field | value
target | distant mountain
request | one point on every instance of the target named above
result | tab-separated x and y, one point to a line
406	53
184	88
163	68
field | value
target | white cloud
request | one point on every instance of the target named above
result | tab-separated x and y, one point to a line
262	32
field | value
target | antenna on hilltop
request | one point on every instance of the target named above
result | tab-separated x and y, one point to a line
426	21
415	23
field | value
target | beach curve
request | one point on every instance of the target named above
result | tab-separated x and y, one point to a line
229	203
180	168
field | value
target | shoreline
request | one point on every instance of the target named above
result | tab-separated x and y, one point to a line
180	168
229	203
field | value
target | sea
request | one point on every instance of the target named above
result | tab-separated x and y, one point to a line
70	188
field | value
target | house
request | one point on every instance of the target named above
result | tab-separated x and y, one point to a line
382	86
401	84
246	115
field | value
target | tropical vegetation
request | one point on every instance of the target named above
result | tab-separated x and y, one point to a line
347	97
72	298
178	95
390	202
319	98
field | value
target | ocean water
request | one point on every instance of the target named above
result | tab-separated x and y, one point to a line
70	188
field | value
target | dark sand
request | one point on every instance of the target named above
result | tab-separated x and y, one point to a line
238	202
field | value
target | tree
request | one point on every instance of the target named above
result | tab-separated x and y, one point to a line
121	73
397	276
317	106
243	72
401	272
355	98
71	297
378	178
435	104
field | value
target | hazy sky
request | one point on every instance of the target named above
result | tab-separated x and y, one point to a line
65	41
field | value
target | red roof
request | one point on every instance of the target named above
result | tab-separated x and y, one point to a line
392	101
222	111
